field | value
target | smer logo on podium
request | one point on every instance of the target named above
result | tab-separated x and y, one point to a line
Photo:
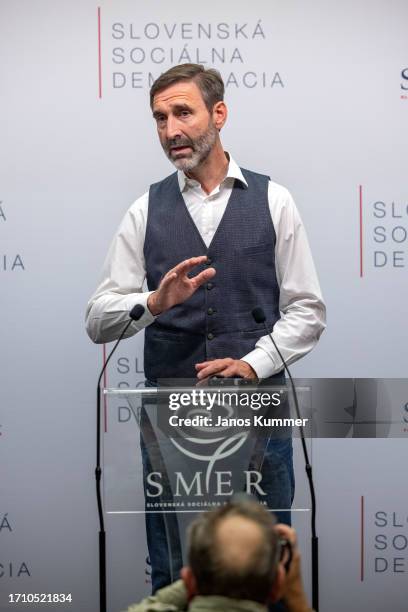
203	451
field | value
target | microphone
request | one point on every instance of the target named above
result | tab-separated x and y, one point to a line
259	317
134	315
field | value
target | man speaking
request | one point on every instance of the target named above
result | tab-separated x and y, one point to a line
213	241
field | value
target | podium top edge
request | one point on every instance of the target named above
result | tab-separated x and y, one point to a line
221	389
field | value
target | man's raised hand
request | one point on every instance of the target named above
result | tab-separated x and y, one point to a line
176	287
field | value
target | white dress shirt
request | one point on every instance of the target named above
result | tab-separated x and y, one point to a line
300	302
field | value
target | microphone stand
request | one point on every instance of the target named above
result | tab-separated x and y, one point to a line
135	314
259	317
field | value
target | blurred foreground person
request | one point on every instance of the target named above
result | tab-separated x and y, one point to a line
237	557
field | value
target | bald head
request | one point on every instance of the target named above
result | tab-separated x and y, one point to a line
238	542
233	551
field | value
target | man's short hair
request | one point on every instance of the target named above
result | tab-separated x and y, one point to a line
214	567
208	80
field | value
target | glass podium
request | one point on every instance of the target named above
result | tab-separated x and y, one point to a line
194	466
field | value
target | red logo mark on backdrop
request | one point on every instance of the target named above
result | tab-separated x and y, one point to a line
362	538
361	229
99	53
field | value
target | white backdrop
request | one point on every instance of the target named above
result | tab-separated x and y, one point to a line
318	98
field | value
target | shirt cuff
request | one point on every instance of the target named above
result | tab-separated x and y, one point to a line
141	298
261	363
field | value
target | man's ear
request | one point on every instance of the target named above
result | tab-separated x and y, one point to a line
278	584
189	580
219	114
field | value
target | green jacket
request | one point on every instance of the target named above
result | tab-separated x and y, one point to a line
174	599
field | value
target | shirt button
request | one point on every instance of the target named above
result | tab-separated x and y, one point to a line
210	336
210	286
209	261
210	311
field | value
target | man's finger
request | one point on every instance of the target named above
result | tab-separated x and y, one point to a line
203	277
286	532
230	371
212	368
209	371
203	364
167	279
188	264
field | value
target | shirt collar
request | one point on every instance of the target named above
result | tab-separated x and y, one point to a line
234	172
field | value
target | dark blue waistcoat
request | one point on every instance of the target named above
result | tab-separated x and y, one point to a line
216	321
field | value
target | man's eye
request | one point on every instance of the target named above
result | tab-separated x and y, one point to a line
185	113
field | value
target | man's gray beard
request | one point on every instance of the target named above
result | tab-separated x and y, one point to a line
201	149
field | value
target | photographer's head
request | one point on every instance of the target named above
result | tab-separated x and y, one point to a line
234	552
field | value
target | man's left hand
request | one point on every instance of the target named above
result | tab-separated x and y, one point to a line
227	368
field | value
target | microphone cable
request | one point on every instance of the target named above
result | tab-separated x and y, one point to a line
259	317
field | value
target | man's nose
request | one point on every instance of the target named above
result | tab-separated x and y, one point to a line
173	128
